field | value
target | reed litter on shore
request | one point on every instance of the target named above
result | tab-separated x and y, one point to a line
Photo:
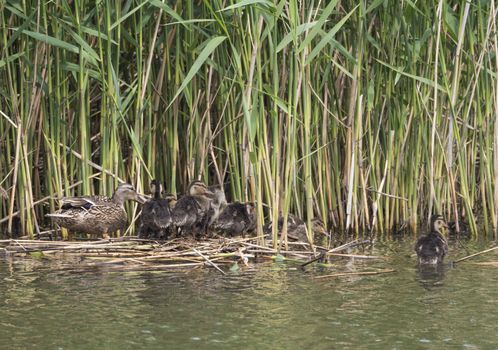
177	253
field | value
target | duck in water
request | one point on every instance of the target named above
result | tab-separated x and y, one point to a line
432	248
99	215
156	214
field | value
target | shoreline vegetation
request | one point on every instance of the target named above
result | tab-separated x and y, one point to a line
370	115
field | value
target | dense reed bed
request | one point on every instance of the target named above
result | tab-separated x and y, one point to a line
367	114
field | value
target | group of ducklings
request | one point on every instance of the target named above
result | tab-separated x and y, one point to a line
199	210
204	209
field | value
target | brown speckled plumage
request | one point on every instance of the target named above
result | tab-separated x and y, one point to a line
194	211
96	214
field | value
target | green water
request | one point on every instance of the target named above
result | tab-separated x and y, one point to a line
59	305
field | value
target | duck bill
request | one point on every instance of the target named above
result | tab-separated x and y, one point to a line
140	198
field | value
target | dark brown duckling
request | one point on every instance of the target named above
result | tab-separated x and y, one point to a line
217	205
190	214
432	248
156	214
236	219
296	228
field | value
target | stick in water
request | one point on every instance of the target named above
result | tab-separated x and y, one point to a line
475	254
209	261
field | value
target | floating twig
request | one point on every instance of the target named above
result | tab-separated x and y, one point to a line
320	256
209	261
358	256
351	244
475	254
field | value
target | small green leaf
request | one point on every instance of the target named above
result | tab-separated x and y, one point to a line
235	267
279	258
36	255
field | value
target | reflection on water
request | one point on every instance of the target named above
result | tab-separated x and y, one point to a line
430	276
61	305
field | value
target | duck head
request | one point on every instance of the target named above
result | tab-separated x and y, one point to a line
126	192
156	187
319	227
171	198
438	223
198	188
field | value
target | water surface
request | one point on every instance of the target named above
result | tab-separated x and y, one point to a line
60	305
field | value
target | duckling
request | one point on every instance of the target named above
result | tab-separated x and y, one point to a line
156	214
296	228
319	230
236	219
293	224
432	248
218	203
96	214
190	213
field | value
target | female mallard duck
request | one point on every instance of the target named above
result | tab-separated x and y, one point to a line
296	228
432	248
191	211
236	219
156	214
96	214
